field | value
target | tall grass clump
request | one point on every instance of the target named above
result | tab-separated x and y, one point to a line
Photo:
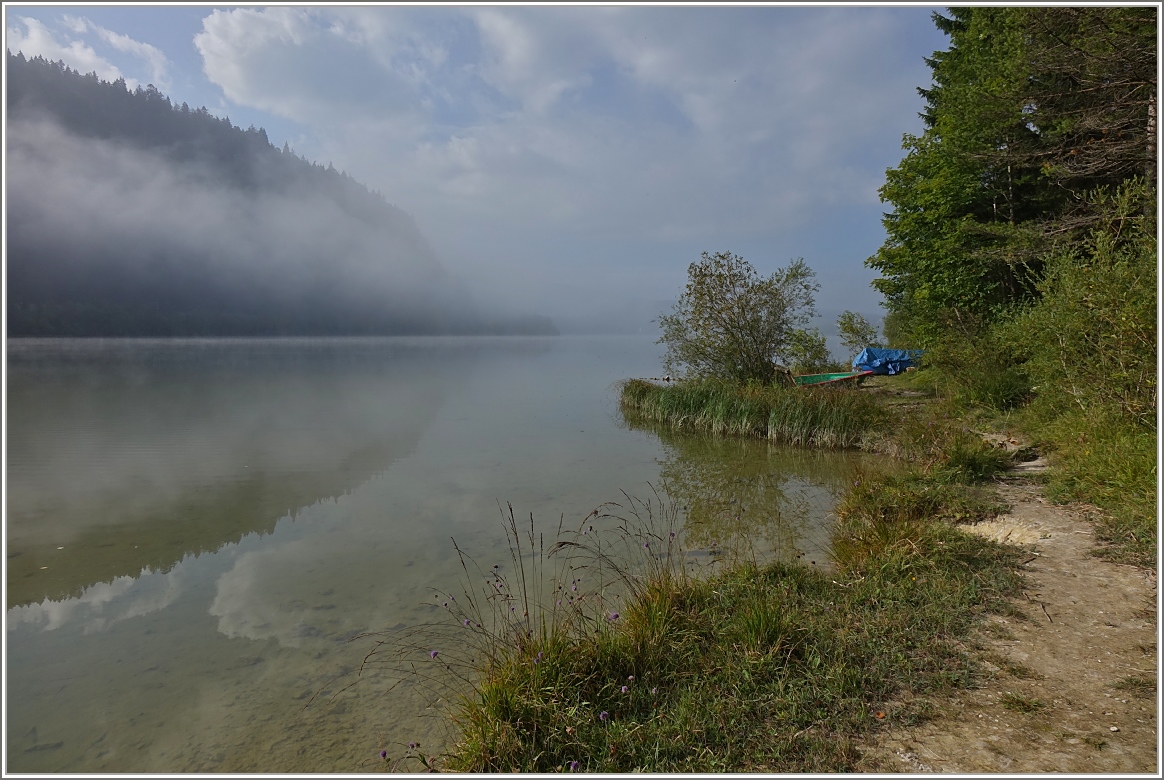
773	668
809	417
504	644
1107	460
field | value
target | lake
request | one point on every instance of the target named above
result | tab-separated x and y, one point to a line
197	529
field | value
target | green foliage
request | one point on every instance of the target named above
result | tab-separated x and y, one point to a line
980	367
808	352
1092	336
1022	250
1092	93
730	323
967	459
856	332
896	328
808	416
1029	109
1104	459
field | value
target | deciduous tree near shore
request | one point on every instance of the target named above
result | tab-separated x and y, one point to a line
730	323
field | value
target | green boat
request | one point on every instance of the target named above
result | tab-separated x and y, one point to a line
830	379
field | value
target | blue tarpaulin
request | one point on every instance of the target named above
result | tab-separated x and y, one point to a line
885	361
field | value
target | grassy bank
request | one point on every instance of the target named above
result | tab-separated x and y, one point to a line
1107	462
1097	455
779	668
807	417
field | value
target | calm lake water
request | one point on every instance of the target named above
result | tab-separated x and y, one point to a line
197	529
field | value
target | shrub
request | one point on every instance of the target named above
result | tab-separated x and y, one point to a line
731	324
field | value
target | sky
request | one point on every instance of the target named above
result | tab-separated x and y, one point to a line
562	160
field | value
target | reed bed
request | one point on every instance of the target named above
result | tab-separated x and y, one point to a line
802	416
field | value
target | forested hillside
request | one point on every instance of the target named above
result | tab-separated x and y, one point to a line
128	215
1021	247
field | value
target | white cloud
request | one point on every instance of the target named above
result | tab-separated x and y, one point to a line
672	126
598	107
151	55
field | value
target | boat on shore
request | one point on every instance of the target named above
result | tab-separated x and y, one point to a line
830	379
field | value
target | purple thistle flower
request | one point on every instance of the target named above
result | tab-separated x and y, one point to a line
603	715
631	678
624	689
573	766
412	746
433	654
613	616
467	621
383	754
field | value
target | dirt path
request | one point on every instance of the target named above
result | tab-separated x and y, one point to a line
1051	703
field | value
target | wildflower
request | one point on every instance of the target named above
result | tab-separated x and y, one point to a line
672	534
383	754
613	616
631	678
573	766
540	654
433	654
412	746
603	715
880	715
624	689
467	621
646	545
654	691
559	602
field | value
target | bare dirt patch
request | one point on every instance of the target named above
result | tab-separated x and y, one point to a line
1071	683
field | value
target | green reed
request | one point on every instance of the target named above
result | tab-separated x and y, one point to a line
802	416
